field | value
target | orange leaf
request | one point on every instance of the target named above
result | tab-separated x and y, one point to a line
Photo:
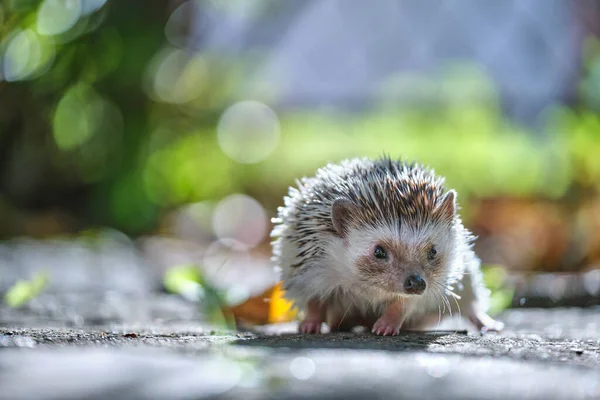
280	310
267	308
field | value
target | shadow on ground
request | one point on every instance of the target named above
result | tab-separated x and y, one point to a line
406	341
511	344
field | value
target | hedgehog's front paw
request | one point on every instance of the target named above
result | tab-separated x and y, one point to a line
485	323
492	326
315	315
390	322
382	327
310	326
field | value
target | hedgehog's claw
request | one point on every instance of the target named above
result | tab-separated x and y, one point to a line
382	328
385	330
310	326
385	326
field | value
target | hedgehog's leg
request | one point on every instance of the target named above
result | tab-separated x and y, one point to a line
314	318
391	321
482	321
473	297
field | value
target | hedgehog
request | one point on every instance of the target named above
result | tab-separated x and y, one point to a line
377	243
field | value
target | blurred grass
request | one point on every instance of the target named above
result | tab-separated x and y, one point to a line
478	153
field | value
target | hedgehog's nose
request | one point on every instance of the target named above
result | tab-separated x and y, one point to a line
414	284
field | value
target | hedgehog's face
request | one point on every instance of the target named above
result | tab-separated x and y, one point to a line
400	258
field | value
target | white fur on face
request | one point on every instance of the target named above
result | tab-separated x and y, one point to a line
360	242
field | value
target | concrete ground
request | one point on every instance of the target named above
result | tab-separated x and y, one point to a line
543	354
103	330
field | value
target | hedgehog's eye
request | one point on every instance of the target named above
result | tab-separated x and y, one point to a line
431	253
380	253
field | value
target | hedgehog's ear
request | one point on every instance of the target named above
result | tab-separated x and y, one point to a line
342	211
447	205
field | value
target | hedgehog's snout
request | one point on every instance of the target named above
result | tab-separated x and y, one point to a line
414	284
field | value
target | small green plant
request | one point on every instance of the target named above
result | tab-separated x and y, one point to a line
25	290
189	282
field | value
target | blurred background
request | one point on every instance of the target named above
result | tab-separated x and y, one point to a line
145	145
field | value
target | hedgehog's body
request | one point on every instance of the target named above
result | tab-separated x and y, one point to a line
377	243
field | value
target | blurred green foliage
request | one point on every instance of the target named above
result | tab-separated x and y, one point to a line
501	297
102	116
23	291
189	282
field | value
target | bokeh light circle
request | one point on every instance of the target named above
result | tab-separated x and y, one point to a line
241	218
176	76
248	131
177	27
302	368
80	114
224	259
57	16
27	55
193	222
90	6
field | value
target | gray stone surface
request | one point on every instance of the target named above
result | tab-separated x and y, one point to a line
100	330
543	354
98	309
69	374
104	268
108	262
